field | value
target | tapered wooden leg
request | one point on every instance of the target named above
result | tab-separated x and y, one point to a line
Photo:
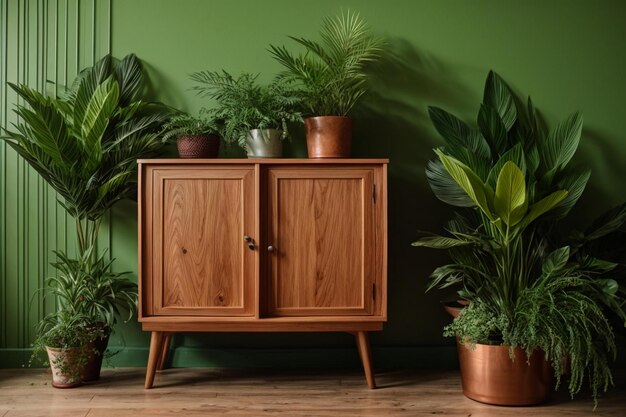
164	352
363	343
156	347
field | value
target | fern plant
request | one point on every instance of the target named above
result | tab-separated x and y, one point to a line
243	104
330	75
184	124
510	179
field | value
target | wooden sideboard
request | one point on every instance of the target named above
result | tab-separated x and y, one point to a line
262	245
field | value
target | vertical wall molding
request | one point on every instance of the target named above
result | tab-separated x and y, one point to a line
43	43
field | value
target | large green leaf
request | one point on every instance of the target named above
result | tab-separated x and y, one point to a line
480	194
451	128
440	242
543	206
129	75
457	133
561	144
515	155
99	110
509	201
575	185
556	260
492	128
46	127
444	187
498	96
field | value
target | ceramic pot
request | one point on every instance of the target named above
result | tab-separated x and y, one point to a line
489	375
328	136
264	143
95	354
65	367
198	146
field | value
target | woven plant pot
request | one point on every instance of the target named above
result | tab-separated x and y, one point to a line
198	146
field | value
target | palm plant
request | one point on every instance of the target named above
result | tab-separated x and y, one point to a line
330	75
509	176
243	104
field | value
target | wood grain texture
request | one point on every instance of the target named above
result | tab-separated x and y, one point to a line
262	325
214	392
264	161
156	349
320	221
365	353
200	220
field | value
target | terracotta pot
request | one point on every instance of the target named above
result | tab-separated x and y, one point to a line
264	143
489	375
453	308
95	354
328	136
198	146
65	367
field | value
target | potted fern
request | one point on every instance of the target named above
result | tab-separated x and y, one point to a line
85	145
196	137
330	78
533	304
254	116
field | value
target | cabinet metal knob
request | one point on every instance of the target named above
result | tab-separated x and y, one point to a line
271	248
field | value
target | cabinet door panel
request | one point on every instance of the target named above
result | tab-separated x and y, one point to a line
202	265
320	223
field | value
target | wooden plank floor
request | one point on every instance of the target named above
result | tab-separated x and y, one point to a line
209	392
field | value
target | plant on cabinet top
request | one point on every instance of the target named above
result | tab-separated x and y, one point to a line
330	75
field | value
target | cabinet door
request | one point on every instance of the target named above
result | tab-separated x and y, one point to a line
201	263
320	230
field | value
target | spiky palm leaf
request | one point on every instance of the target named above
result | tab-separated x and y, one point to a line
330	75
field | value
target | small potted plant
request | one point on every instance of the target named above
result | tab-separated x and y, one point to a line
87	287
330	78
196	137
254	116
102	125
64	337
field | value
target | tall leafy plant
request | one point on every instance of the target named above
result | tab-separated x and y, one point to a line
507	176
330	74
85	144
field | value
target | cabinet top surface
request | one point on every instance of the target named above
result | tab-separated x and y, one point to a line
328	161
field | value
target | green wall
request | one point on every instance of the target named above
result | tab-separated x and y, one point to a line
568	55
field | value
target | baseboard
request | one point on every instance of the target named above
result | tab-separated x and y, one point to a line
385	357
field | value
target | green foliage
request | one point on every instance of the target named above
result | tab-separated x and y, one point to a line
330	75
508	176
85	144
243	104
69	332
86	286
184	124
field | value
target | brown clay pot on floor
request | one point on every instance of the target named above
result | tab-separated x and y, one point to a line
489	375
198	146
328	136
65	367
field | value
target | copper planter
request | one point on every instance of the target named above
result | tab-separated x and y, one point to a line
328	136
489	375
